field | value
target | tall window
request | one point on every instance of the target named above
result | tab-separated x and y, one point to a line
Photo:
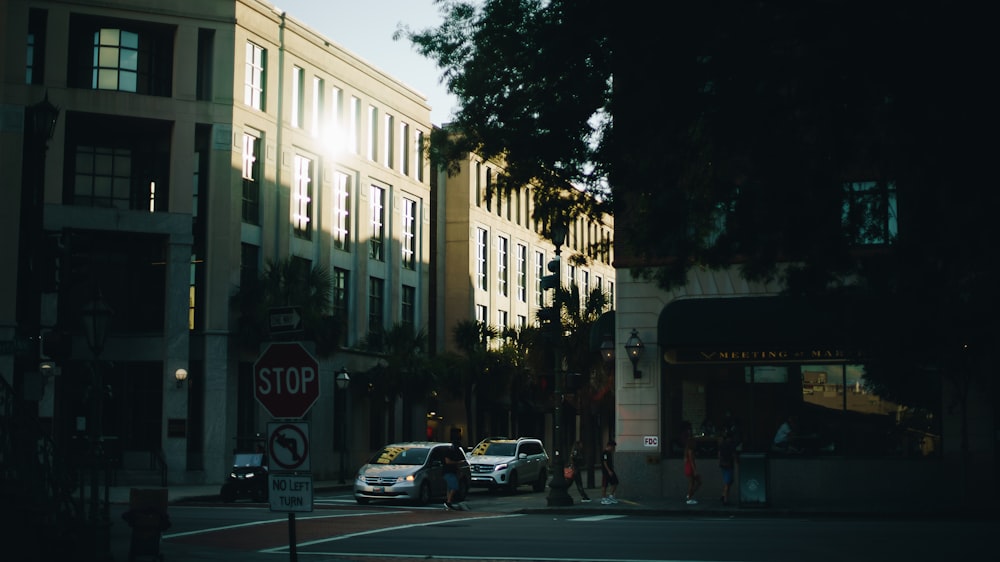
376	245
116	60
539	272
354	135
522	273
206	55
419	142
376	302
503	319
489	189
253	85
482	314
317	106
34	67
341	211
372	133
404	149
251	179
586	283
302	198
409	233
102	177
869	213
341	286
298	82
503	263
408	311
337	134
388	141
481	258
479	184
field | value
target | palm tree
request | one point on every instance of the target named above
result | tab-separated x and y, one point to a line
472	338
410	380
288	282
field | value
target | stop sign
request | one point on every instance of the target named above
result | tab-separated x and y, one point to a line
286	380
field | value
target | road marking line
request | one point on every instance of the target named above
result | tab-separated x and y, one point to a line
596	518
267	522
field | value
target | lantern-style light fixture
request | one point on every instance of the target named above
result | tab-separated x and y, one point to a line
43	119
96	317
558	232
180	375
607	349
634	349
343	379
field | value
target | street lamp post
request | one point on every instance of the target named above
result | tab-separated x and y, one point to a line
343	381
558	485
96	316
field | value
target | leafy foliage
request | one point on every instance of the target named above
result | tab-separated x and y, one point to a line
288	282
727	130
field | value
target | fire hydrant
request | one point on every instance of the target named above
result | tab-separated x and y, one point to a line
147	517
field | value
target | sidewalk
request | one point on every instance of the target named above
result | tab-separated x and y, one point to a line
537	503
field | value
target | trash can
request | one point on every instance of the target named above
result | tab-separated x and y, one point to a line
147	517
753	479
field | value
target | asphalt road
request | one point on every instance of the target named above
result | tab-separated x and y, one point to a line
496	529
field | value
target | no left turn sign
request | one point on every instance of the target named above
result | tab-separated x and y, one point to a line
288	446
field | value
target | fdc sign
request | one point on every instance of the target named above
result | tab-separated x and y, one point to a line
286	380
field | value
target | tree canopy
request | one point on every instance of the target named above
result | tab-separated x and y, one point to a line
833	145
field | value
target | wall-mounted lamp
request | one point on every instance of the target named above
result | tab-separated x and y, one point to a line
180	375
634	349
607	349
343	379
49	369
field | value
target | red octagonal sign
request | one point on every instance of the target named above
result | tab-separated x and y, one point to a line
286	380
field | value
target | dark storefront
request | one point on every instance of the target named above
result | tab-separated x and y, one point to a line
748	363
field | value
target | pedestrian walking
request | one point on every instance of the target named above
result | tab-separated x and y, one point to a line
452	459
577	460
609	479
727	462
691	472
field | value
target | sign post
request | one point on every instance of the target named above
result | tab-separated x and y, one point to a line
286	384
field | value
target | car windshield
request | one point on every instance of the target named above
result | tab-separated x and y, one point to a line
400	455
248	459
497	449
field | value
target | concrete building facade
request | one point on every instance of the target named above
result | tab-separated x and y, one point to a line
195	143
493	253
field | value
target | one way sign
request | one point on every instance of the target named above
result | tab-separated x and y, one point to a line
285	319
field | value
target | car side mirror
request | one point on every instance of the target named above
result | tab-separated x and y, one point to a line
436	464
522	455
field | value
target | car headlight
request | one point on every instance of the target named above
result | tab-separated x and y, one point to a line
500	467
232	475
250	475
407	478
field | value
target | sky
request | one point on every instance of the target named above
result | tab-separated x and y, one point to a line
365	28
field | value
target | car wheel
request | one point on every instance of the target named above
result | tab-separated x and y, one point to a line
539	485
228	493
424	496
512	483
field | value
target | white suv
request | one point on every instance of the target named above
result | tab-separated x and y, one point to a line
503	462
